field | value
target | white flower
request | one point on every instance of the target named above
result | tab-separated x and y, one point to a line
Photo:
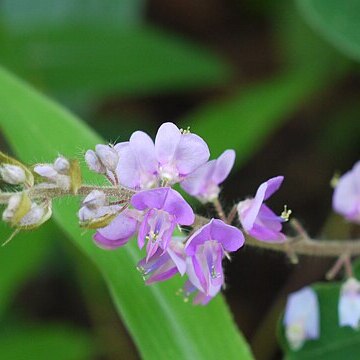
349	304
301	317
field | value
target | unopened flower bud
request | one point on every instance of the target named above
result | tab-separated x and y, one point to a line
34	216
94	163
95	200
13	205
12	174
349	304
46	171
108	156
62	165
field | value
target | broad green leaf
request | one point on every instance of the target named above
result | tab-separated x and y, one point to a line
20	15
338	21
44	342
243	121
91	61
21	258
335	342
162	325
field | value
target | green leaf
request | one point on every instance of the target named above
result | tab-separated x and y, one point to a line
91	61
162	325
20	15
43	342
335	342
21	259
245	120
338	21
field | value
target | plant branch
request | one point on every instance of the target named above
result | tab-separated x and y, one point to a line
298	245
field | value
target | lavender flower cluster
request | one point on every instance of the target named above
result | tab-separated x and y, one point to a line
156	210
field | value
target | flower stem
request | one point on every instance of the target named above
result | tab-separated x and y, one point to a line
219	209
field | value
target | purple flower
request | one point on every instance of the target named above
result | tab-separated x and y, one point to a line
118	232
164	265
178	153
257	219
349	304
346	198
164	209
205	250
204	181
137	167
301	317
174	155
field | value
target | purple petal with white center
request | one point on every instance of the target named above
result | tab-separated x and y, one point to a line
204	268
166	142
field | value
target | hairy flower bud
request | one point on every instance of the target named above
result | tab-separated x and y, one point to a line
108	156
13	205
62	165
95	199
94	163
46	171
12	174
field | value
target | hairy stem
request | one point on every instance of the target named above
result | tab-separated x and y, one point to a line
304	245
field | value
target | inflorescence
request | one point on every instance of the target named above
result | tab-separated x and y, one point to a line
141	201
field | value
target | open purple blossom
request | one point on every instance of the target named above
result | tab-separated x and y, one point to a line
204	181
178	153
164	209
174	155
349	304
346	198
301	318
257	219
164	265
205	250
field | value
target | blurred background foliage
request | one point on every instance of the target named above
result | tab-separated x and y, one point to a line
277	81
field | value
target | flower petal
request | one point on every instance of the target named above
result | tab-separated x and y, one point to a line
128	167
224	164
166	199
196	183
166	142
347	194
191	152
272	185
229	236
144	150
122	227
